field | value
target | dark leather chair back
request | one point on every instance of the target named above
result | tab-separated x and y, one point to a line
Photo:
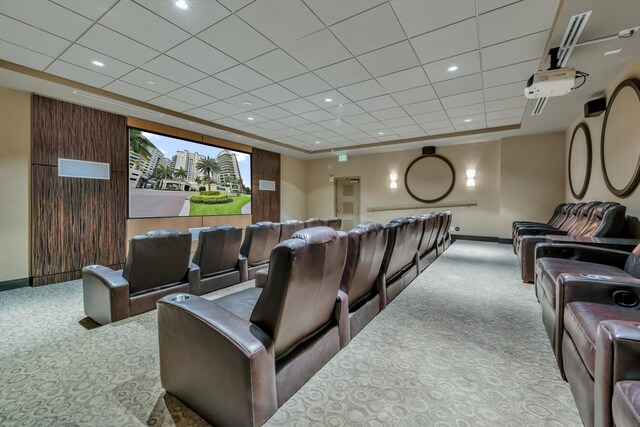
398	253
449	219
437	224
632	266
559	215
218	249
428	234
572	216
156	259
313	222
367	244
300	295
333	222
259	240
606	220
288	228
583	217
442	231
417	230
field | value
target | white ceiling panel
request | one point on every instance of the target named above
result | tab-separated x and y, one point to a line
344	73
317	116
436	124
377	103
328	99
250	118
471	126
203	114
390	113
243	78
309	127
150	81
504	122
78	74
468	63
362	90
405	129
434	116
201	56
402	80
237	39
234	5
505	104
277	65
505	114
462	99
274	94
83	57
47	16
242	100
317	50
345	110
297	106
281	21
360	119
441	131
191	96
514	51
370	30
20	55
93	9
200	14
233	123
420	16
224	108
339	126
449	41
468	120
272	112
332	11
272	125
293	121
116	45
504	24
129	90
216	88
459	85
31	38
423	107
390	59
171	69
136	22
466	111
504	91
171	103
510	74
487	5
411	96
306	84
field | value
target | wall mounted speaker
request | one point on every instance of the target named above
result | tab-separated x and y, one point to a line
428	150
595	107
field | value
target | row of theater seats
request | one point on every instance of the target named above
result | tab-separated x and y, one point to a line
158	264
590	298
593	219
235	360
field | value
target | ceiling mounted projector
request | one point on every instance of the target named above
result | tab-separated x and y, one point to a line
545	84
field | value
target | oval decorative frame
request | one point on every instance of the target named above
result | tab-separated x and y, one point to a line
587	174
635	179
453	178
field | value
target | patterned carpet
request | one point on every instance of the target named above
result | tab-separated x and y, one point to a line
463	345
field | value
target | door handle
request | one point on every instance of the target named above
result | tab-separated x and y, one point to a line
338	210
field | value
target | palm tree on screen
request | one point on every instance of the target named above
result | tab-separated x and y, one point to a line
208	166
180	173
140	144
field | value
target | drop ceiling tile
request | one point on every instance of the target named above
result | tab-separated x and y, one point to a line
272	112
505	114
467	110
143	78
272	125
505	104
232	123
398	122
386	137
381	133
237	39
129	90
235	5
203	114
336	139
370	30
360	119
78	74
414	134
469	120
298	106
389	113
485	6
239	101
505	91
462	99
343	73
377	103
434	116
191	96
317	116
83	57
510	74
446	42
171	103
293	121
442	131
470	126
250	118
291	132
504	24
47	16
468	63
362	90
310	127
243	78
459	85
134	21
317	50
437	124
370	127
514	51
305	84
339	126
93	9
390	59
23	56
200	15
277	65
504	122
201	56
173	70
423	107
281	22
332	11
216	88
419	16
345	110
411	96
320	99
274	94
224	108
402	80
116	45
32	38
408	129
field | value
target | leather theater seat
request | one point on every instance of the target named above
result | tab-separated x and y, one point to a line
259	240
427	251
289	228
400	264
333	222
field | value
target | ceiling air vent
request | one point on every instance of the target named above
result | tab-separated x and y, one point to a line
539	106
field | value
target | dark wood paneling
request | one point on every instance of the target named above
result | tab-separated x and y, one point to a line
265	205
76	222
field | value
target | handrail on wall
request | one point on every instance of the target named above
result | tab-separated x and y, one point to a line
402	208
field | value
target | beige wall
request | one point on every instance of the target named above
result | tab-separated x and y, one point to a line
293	188
15	137
597	188
532	178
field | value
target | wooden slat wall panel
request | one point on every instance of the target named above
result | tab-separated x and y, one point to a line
265	205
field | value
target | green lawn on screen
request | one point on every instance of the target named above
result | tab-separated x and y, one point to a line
233	208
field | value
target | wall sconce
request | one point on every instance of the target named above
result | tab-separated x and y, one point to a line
394	180
471	175
330	178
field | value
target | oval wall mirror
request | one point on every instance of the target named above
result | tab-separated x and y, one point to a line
579	166
620	141
430	178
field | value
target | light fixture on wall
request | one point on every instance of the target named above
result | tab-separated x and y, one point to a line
394	180
471	175
330	178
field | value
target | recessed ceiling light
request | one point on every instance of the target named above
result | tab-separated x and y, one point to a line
612	52
328	100
182	4
467	120
250	118
151	83
453	68
380	133
97	63
317	142
247	103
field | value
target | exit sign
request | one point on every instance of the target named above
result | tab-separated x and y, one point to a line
342	158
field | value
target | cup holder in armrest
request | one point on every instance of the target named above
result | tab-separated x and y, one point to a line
180	298
567	254
625	298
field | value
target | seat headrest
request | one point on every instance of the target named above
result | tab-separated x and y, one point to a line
292	221
263	223
223	227
370	226
316	235
402	220
155	234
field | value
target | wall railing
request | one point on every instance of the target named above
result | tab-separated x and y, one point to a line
414	207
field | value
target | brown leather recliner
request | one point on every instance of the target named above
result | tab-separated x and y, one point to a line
442	232
157	265
219	259
289	228
573	213
560	214
361	281
400	263
447	234
236	359
259	240
427	251
333	222
313	222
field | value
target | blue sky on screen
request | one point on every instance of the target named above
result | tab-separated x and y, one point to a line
169	147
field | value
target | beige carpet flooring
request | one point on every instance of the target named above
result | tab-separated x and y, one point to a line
463	345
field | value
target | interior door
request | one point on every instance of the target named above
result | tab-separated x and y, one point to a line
348	201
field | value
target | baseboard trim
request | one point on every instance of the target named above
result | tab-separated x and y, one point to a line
15	284
491	239
504	241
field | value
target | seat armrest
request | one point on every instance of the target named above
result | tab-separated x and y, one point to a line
105	293
527	256
193	277
261	277
381	287
585	253
341	315
243	267
540	231
203	346
617	356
